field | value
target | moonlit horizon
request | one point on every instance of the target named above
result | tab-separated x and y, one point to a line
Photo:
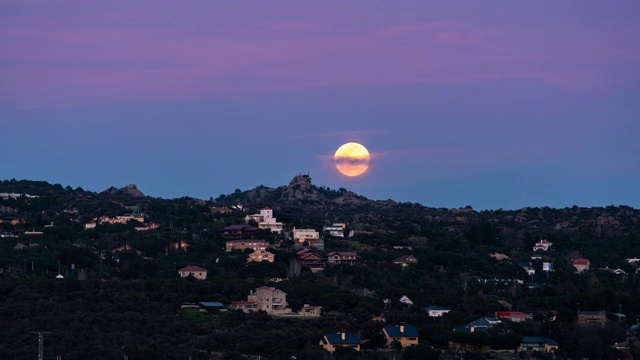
498	104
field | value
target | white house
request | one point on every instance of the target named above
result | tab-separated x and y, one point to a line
309	235
266	220
335	229
405	300
436	311
543	245
195	271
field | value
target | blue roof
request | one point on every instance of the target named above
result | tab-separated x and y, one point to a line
538	340
394	331
484	322
349	339
211	304
434	307
601	312
467	330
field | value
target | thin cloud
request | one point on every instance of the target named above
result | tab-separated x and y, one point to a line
48	63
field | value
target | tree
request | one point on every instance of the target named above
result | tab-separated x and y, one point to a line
420	352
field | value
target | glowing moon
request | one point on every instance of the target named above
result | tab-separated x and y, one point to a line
352	159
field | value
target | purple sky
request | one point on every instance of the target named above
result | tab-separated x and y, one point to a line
493	104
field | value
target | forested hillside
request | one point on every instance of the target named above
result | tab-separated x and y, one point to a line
107	290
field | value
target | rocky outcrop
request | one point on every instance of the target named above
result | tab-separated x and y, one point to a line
131	190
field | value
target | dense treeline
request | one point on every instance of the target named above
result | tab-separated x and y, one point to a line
130	304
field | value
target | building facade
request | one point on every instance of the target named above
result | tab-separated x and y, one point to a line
405	335
195	271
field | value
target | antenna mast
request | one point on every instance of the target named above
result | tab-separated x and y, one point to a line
40	343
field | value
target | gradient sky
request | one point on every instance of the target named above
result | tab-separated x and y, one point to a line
493	104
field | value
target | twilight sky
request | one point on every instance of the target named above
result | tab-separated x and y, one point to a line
493	104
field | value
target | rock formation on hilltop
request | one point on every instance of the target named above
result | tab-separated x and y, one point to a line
301	189
131	190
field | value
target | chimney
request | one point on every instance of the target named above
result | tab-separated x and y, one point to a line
401	329
472	329
344	336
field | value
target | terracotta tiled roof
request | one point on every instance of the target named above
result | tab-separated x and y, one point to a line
193	268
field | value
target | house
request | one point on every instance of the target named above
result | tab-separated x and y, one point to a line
617	271
436	311
261	255
336	230
265	220
405	300
12	220
265	298
179	245
246	306
471	329
528	267
581	265
406	335
15	196
537	343
514	316
7	234
405	260
126	248
542	245
246	244
312	259
332	341
195	271
592	318
482	323
238	231
379	318
222	210
632	340
147	227
342	257
20	246
505	304
309	236
123	219
310	311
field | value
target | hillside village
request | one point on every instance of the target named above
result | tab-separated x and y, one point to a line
307	272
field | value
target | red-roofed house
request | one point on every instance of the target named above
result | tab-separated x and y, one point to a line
195	271
514	316
311	258
581	265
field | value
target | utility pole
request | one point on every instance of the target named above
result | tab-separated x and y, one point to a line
40	343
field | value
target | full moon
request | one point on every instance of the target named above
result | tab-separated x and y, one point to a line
352	159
